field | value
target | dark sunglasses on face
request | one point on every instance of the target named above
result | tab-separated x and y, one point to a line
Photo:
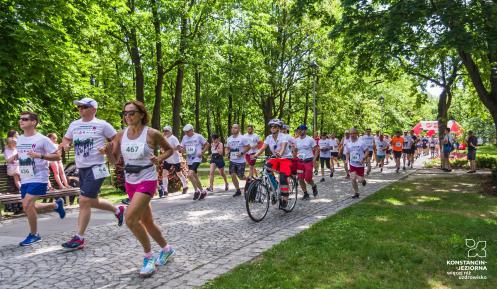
83	106
129	113
25	119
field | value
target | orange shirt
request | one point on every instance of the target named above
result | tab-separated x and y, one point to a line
397	143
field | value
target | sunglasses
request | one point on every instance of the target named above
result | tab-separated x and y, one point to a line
25	119
130	113
83	106
274	126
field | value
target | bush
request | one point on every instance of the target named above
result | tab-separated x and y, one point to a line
485	161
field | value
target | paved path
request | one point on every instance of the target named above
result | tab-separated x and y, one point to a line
211	237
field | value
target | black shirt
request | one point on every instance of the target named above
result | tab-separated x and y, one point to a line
472	140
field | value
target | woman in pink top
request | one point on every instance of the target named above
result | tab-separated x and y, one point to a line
57	167
10	154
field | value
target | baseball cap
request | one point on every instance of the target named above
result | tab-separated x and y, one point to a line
87	101
302	127
187	127
167	127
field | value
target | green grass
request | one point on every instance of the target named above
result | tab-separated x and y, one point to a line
401	237
489	149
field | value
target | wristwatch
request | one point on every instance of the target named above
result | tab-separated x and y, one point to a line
42	156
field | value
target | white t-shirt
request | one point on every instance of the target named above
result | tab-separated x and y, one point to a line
381	147
236	147
356	152
408	142
253	140
325	148
275	145
304	147
88	137
369	141
174	143
334	145
34	170
193	147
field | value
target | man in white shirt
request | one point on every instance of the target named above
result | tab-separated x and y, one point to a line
368	140
172	162
236	147
304	148
356	152
253	140
343	143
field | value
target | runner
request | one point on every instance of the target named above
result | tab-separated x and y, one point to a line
413	148
236	147
278	144
368	140
217	161
343	143
433	145
172	162
334	153
424	145
194	145
316	162
254	142
136	144
388	153
407	150
325	155
381	147
89	135
376	138
356	152
34	150
397	144
448	143
57	167
305	148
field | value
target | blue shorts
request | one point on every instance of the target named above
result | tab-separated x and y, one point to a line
193	167
88	186
34	189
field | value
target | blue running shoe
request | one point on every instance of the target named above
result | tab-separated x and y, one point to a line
148	268
60	208
30	239
164	257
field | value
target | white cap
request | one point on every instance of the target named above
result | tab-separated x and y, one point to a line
87	101
188	127
346	131
167	127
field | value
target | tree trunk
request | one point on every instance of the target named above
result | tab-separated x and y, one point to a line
178	94
243	122
208	121
160	67
197	99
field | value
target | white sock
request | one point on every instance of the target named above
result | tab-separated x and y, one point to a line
165	183
183	180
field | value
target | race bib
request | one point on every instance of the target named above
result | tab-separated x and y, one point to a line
100	172
398	144
26	172
301	156
134	151
190	150
233	155
355	157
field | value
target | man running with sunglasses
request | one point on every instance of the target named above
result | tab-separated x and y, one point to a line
89	134
278	144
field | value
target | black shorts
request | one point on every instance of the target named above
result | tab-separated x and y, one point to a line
407	151
334	154
370	154
88	185
325	161
219	162
238	169
397	154
471	155
194	167
388	152
167	166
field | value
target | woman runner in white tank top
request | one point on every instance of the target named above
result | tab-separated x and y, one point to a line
136	144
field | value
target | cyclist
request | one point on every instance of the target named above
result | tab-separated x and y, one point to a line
277	142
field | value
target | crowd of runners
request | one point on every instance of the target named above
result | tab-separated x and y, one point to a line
144	149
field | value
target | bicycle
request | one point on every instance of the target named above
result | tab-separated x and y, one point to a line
264	190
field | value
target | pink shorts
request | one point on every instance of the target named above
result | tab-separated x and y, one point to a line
145	187
304	170
249	160
358	170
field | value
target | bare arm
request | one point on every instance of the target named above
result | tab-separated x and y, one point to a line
113	148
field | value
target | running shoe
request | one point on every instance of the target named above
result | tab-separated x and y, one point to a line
185	190
120	216
237	193
125	201
226	187
30	239
196	195
60	208
404	168
331	174
397	170
322	180
203	195
164	257
363	182
74	244
315	172
283	203
161	192
355	196
315	190
148	268
347	176
306	196
209	189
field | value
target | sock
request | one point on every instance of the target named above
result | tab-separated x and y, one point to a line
165	183
80	236
149	255
167	248
183	180
118	210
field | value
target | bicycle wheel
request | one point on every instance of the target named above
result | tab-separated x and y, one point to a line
293	194
257	200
